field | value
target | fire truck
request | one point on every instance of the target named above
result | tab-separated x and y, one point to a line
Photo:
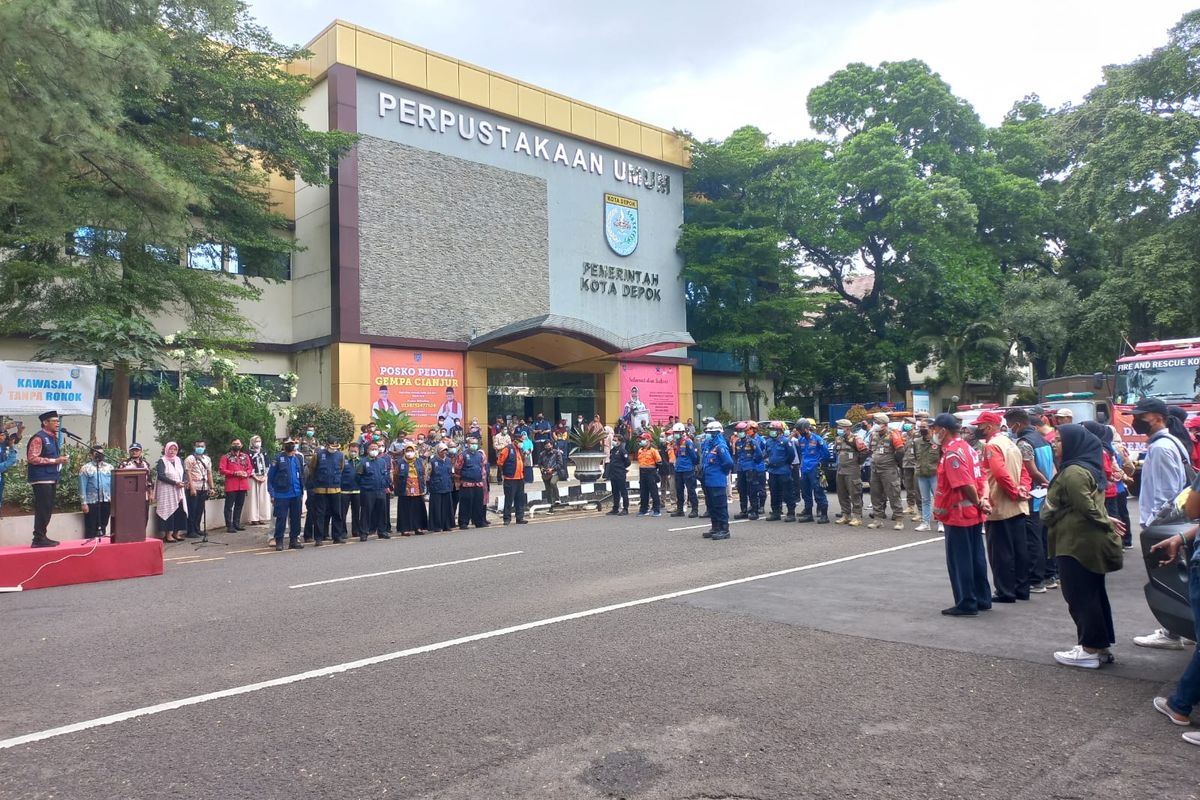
1168	370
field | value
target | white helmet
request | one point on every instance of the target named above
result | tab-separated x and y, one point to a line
679	427
713	427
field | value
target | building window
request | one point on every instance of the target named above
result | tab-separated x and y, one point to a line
707	404
739	406
208	256
142	385
88	242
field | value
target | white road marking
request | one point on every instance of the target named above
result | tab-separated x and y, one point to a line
406	569
322	672
705	525
200	560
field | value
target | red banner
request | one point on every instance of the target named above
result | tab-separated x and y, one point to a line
425	384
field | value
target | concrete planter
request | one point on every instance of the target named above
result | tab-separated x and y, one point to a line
588	466
16	531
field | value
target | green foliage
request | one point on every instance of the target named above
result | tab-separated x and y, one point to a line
723	415
1026	396
326	421
788	414
743	294
18	494
969	352
234	407
587	439
394	424
159	121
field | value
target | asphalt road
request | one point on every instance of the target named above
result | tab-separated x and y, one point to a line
837	680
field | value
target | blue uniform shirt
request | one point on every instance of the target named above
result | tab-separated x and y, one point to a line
749	454
780	455
686	456
718	463
813	451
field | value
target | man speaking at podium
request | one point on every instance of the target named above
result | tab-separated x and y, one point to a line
45	465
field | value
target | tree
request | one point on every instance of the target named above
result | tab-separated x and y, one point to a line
1037	315
969	352
899	212
216	406
743	293
159	138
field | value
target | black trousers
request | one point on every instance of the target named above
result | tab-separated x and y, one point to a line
351	502
620	494
782	492
1118	508
441	514
1009	555
310	515
233	508
648	490
1035	546
327	508
514	499
470	507
195	503
374	509
95	521
1087	600
43	507
685	491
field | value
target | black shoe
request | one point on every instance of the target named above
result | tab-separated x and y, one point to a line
483	525
43	541
790	518
308	538
740	515
230	529
522	522
705	514
708	534
193	536
719	535
238	527
613	513
955	611
822	518
625	512
294	545
463	527
998	599
279	545
676	513
384	535
805	517
336	540
694	513
362	537
773	517
318	542
753	515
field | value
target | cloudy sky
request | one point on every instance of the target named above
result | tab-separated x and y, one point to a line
711	67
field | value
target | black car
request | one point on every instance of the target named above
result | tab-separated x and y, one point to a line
1167	592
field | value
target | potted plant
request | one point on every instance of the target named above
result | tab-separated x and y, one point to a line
588	457
394	425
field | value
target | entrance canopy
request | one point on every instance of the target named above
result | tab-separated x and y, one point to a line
552	341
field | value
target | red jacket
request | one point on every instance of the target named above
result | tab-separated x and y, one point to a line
231	464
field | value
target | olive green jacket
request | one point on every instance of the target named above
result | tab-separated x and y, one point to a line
1077	524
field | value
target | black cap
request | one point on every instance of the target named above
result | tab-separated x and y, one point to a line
47	415
1036	411
1150	405
1178	413
947	421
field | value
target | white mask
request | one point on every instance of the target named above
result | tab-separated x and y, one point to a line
373	453
937	439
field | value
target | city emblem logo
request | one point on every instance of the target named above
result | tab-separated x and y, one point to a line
621	224
417	357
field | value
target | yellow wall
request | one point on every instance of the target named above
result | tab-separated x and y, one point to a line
352	379
687	404
394	60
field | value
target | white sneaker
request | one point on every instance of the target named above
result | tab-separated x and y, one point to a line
1037	588
1192	737
924	526
1051	584
1078	657
941	528
1160	640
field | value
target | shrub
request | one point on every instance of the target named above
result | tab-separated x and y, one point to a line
395	425
788	414
326	421
235	408
587	439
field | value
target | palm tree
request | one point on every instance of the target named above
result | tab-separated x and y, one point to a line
956	352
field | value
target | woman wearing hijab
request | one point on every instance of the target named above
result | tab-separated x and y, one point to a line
411	515
170	503
258	499
1084	542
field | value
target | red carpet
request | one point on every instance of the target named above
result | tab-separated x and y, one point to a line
79	563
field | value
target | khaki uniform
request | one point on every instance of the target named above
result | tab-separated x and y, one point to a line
851	453
885	473
908	474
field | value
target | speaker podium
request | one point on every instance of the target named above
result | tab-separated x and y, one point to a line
130	512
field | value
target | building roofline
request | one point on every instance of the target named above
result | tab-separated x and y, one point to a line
397	61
